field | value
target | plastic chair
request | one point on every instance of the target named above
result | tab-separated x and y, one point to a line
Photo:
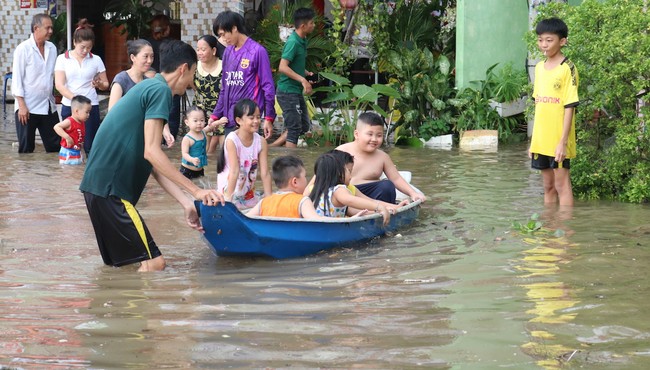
8	76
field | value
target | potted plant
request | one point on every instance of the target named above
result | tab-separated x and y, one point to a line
59	32
126	19
506	88
131	17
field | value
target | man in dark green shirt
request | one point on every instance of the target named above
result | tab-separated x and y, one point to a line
292	83
126	151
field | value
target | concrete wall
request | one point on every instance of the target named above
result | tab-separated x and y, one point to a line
197	16
489	32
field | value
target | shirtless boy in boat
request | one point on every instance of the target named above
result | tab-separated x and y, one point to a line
370	162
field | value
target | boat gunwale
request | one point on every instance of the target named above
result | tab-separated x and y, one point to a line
333	220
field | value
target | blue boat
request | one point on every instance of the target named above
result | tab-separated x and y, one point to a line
231	233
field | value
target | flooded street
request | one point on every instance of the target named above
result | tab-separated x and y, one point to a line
461	289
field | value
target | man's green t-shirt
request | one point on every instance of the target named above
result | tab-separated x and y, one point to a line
295	51
116	165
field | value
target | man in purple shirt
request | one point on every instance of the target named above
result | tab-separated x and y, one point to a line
246	74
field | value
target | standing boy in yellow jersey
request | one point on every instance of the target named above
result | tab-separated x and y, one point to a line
553	143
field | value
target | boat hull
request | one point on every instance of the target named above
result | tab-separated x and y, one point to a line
230	233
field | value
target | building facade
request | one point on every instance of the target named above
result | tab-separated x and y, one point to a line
195	19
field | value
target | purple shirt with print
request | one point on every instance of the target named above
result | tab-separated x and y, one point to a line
246	74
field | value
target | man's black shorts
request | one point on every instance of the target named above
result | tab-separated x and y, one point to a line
122	236
544	162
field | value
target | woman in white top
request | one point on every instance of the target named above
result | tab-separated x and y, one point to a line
79	72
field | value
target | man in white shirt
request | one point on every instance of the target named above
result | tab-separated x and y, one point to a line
31	84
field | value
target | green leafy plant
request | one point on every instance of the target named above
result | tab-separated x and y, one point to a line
533	224
475	112
413	23
613	152
341	56
326	135
425	86
59	32
506	84
134	15
349	100
473	104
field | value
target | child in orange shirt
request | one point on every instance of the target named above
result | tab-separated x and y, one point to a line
289	176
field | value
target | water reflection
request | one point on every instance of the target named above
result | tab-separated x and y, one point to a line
551	299
459	289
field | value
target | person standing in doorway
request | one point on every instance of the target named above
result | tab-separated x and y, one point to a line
32	84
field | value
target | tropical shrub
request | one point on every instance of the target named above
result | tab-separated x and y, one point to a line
609	44
425	85
344	102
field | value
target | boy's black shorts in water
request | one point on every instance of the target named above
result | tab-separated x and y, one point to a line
544	162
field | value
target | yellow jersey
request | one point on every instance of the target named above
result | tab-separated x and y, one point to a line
554	90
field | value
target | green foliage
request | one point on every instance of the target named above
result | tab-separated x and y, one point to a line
505	84
414	24
425	85
134	15
409	39
60	32
533	224
410	24
475	112
341	57
473	103
348	101
326	135
609	44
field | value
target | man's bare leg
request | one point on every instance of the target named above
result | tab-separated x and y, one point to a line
155	264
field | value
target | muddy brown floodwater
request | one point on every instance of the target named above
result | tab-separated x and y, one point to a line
459	289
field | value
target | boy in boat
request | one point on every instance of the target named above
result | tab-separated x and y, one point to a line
371	162
290	178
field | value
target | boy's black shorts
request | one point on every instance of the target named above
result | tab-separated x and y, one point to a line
122	236
544	162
